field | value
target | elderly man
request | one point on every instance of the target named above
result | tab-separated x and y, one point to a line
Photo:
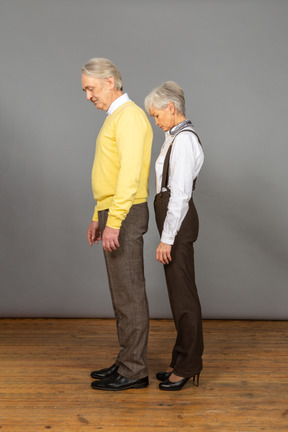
120	186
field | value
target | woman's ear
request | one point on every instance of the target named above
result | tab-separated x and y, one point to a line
171	108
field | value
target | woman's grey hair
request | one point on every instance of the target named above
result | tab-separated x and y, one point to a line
103	68
169	91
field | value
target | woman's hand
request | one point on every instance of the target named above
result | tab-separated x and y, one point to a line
163	253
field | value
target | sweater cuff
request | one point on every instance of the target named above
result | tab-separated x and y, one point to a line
95	215
113	222
167	238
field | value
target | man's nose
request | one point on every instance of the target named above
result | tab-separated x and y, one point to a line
88	95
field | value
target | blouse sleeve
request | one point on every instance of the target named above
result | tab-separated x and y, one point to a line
185	163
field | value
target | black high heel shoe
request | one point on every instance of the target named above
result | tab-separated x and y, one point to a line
178	385
163	376
196	378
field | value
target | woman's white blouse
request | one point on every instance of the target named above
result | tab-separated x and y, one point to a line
185	163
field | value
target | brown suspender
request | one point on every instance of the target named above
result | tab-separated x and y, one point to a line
167	159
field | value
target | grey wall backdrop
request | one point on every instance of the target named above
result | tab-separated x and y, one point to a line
230	56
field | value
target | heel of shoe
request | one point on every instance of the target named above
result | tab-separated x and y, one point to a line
196	379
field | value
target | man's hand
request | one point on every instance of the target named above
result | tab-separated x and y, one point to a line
110	239
93	233
163	253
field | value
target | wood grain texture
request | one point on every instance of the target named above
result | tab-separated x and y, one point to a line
45	367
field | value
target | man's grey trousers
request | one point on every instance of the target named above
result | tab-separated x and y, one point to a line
125	269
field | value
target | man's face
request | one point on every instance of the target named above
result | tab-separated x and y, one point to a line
97	91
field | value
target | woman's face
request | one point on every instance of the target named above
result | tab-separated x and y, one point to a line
164	118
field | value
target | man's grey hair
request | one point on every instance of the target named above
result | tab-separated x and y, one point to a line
103	68
169	91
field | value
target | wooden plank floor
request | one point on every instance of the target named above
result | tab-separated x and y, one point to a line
45	383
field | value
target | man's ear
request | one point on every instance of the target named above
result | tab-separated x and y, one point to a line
111	81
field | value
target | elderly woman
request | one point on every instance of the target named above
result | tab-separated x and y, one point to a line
177	168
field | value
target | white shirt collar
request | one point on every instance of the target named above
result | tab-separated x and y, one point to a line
117	103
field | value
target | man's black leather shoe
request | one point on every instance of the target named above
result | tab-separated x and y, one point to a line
104	373
163	376
117	382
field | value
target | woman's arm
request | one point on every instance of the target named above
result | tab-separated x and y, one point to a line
185	163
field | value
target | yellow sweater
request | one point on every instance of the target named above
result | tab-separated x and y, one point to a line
121	166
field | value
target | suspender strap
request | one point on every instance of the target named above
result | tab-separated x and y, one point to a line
167	160
166	168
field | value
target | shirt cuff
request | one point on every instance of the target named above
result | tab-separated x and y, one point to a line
167	238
